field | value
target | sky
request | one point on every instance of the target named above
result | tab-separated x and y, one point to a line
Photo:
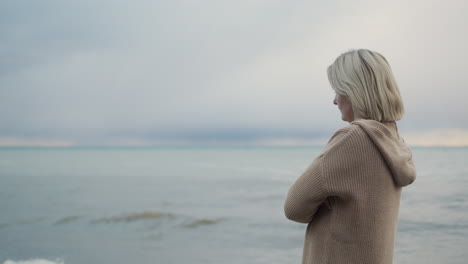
214	72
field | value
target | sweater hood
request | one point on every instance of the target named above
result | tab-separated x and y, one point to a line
393	149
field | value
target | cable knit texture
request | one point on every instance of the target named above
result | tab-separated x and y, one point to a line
361	172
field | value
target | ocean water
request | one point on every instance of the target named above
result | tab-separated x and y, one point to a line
200	205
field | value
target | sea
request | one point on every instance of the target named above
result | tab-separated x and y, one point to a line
200	205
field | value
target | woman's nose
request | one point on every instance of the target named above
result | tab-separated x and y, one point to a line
334	101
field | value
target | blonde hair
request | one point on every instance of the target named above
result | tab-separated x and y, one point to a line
366	78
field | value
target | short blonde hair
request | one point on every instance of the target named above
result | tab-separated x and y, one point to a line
366	78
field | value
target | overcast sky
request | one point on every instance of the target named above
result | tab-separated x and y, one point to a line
220	72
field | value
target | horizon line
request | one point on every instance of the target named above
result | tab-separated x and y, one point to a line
201	146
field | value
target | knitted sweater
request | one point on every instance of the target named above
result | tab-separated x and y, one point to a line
360	172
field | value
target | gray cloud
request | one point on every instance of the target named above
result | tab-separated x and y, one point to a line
103	71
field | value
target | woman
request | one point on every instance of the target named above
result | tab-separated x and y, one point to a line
350	194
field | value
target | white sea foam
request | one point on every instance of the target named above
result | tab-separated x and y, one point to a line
34	261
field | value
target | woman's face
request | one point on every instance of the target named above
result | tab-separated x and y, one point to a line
345	107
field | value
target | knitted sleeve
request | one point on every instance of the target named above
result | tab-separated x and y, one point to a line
345	162
306	194
311	189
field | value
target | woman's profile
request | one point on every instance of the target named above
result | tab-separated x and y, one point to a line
350	193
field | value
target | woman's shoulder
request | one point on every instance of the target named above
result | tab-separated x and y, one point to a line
350	131
346	137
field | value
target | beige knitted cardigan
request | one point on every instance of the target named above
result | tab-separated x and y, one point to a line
361	172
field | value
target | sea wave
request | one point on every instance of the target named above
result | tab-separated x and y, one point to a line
187	221
34	261
200	222
67	219
134	217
